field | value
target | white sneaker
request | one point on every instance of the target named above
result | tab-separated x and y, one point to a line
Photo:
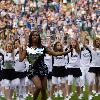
84	88
25	95
81	96
60	93
90	97
75	91
56	94
2	95
49	98
93	91
69	97
66	98
17	98
29	94
97	94
21	97
13	97
71	94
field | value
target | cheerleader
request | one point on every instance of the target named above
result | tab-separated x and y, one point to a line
20	70
96	69
73	65
59	71
8	72
85	61
38	70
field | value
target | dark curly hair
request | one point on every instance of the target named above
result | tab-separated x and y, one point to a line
30	39
94	42
55	47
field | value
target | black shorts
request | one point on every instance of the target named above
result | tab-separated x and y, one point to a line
8	74
1	75
49	75
20	75
95	70
76	72
60	71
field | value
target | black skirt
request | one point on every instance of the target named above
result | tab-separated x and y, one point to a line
1	75
76	72
20	75
49	75
40	71
95	70
8	74
59	71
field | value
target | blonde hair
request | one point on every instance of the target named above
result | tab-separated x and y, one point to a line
9	42
83	35
77	49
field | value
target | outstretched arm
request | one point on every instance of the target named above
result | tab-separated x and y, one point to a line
53	53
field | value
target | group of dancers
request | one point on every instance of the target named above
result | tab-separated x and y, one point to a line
81	66
36	68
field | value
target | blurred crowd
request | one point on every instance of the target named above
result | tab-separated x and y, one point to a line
55	19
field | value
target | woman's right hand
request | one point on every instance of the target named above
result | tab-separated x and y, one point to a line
69	50
22	53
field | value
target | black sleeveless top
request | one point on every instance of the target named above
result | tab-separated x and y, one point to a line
35	56
37	66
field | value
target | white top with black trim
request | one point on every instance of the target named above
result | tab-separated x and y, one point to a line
19	66
85	57
59	61
73	60
8	61
48	62
96	58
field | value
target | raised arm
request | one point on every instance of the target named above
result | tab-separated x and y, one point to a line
22	48
22	54
53	53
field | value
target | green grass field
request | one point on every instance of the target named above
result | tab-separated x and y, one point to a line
74	97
